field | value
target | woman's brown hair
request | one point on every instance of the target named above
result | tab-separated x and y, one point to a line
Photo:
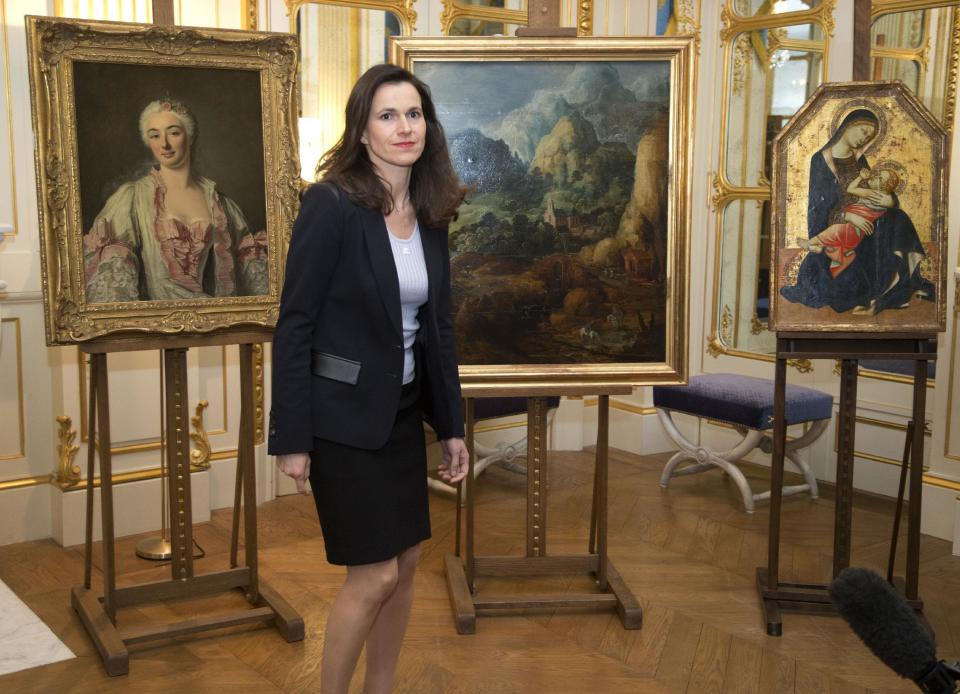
435	189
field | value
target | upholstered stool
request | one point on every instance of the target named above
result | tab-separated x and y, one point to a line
746	403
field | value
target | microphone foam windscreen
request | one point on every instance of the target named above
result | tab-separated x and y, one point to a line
884	621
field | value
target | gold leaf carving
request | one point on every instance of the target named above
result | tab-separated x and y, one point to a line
67	473
200	456
726	326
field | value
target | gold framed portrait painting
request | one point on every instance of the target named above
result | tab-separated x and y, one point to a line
167	176
859	213
569	257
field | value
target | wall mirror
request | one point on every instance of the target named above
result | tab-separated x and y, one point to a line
482	17
775	56
339	40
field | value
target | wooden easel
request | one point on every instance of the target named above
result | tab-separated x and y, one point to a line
463	567
99	615
849	347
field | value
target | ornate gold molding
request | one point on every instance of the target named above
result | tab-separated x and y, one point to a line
457	9
67	473
756	325
686	18
200	456
251	14
726	325
403	9
724	191
953	73
716	347
804	366
742	52
733	23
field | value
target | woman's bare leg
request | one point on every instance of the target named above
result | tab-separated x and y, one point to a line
353	613
386	634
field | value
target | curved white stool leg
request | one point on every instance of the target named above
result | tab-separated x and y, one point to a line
703	458
706	458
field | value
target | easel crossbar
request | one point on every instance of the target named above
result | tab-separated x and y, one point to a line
536	566
192	626
495	604
171	590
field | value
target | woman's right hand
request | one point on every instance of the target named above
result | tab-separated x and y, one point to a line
863	226
297	466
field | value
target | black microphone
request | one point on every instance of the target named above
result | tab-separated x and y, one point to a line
889	627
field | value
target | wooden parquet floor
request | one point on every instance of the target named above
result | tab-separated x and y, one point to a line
688	554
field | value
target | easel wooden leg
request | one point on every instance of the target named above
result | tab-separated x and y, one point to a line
603	426
245	452
898	510
100	618
769	580
916	481
847	424
235	530
536	478
459	567
106	490
470	481
178	463
91	455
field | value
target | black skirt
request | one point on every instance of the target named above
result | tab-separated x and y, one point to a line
373	504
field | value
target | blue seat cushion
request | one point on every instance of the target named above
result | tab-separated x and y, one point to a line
742	400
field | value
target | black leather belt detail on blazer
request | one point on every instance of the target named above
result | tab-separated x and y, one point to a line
335	368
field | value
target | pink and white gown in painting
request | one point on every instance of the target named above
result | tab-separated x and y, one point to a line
135	251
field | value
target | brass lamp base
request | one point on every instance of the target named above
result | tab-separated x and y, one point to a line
156	548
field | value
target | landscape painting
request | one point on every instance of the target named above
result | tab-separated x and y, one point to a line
565	253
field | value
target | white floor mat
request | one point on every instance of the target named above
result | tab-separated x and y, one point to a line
25	641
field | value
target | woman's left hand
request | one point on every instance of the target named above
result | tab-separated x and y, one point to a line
881	199
455	459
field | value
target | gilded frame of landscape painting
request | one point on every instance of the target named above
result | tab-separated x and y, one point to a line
116	256
569	261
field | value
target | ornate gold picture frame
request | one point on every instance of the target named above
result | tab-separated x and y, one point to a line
859	213
167	176
569	260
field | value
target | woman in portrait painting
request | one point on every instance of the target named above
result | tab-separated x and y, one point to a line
885	271
171	234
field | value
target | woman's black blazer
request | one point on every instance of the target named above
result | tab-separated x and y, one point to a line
340	317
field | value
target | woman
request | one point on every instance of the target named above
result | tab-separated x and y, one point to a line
364	333
171	234
886	270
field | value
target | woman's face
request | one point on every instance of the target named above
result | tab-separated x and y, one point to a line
168	140
859	134
396	130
